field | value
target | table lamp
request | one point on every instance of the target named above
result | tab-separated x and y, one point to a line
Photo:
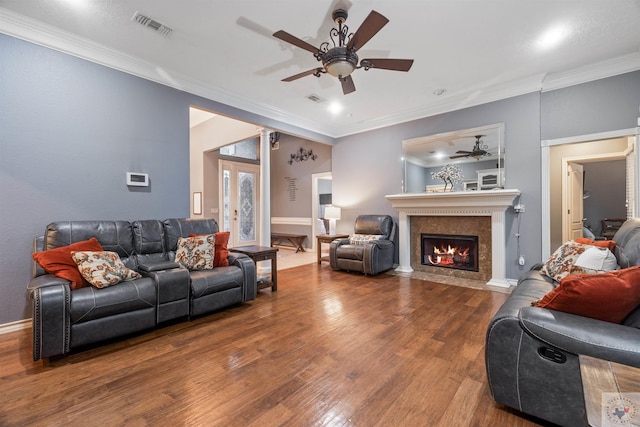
332	213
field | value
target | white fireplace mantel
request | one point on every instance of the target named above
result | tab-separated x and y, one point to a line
493	203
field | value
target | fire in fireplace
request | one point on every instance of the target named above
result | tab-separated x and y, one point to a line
450	251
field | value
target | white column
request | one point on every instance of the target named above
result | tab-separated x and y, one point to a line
265	188
498	249
404	242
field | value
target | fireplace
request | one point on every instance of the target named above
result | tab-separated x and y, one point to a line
456	211
454	251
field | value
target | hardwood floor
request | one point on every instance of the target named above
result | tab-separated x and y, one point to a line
327	349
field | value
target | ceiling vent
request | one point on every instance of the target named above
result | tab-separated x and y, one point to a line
315	98
151	23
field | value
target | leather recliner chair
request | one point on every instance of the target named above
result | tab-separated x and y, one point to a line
532	354
368	257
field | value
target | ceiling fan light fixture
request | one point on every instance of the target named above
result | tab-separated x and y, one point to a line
340	61
339	68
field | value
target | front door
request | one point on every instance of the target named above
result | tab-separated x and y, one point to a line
239	198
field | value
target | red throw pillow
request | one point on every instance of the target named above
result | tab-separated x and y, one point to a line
608	296
58	261
221	253
609	244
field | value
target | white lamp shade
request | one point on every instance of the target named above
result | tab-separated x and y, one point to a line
332	212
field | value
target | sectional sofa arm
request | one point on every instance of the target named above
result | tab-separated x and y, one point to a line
51	321
583	335
248	267
45	280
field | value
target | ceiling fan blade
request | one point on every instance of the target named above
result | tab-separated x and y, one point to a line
371	25
389	64
464	152
347	85
284	36
460	156
302	74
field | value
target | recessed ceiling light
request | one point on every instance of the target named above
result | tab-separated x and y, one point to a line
335	107
552	37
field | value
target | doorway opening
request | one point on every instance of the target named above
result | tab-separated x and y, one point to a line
239	202
582	150
594	189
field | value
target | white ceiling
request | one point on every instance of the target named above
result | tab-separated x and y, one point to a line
478	50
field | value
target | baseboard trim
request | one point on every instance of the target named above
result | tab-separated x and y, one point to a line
15	326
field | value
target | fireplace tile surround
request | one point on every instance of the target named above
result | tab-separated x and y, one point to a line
469	225
482	212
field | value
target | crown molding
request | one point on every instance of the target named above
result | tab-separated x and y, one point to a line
37	32
469	98
597	71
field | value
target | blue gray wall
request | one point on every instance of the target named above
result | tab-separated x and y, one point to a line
69	131
598	106
367	166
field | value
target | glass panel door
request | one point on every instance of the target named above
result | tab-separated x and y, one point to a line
239	201
247	207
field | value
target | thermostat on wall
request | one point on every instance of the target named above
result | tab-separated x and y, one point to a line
138	179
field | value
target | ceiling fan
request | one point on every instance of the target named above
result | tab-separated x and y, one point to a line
477	152
341	59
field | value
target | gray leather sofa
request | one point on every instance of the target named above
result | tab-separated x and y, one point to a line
372	257
532	353
65	319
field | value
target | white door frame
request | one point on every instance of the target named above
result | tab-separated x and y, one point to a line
545	146
236	167
315	203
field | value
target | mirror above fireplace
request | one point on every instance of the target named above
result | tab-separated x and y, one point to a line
478	152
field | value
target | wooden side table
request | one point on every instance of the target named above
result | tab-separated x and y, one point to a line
601	376
262	253
327	238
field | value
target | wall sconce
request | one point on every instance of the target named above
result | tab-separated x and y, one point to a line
332	213
274	140
302	155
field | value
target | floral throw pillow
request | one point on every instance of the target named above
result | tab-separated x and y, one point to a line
361	239
102	268
197	252
58	261
562	262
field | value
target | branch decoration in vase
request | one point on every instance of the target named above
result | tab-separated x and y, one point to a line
450	174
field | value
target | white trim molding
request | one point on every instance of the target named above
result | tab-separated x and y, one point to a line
285	220
493	203
545	168
15	326
34	31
